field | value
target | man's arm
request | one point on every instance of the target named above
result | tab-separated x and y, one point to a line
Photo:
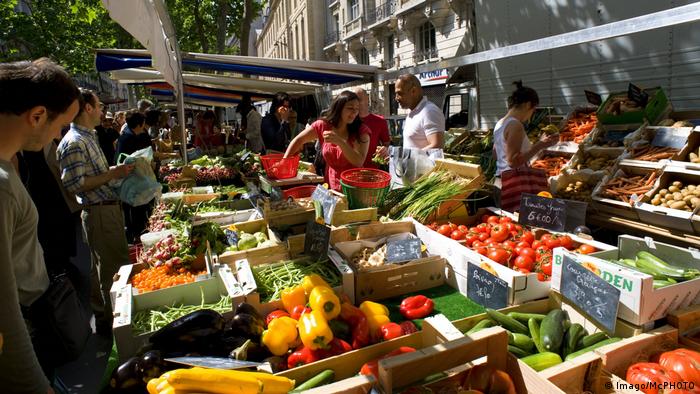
72	161
435	141
434	128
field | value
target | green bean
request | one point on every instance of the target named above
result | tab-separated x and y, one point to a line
154	319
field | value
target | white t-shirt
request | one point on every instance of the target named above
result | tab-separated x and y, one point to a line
499	144
422	121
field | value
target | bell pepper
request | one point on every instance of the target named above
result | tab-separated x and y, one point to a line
377	316
407	327
340	329
274	315
311	281
335	347
298	310
372	367
416	307
280	335
652	376
314	330
293	296
358	321
324	300
302	356
390	331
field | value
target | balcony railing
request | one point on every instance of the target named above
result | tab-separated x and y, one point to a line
331	38
355	24
381	12
427	54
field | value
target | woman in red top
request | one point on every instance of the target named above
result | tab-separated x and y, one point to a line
344	139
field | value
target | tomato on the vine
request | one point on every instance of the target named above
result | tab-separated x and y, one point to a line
483	237
524	262
542	277
508	244
457	235
499	233
522	270
529	252
445	230
553	242
523	244
535	244
546	267
453	226
566	241
518	250
484	228
493	220
482	250
528	237
505	219
462	228
471	237
498	255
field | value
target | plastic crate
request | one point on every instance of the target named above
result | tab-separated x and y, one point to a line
365	178
299	192
277	167
363	197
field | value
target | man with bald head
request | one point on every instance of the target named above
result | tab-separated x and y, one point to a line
376	123
424	127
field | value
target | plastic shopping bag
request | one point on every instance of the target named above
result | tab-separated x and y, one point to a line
406	165
141	186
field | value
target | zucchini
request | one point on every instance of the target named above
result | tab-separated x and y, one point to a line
521	341
552	330
534	326
662	283
507	322
518	352
656	264
542	361
592	347
524	317
571	338
486	323
590	340
323	378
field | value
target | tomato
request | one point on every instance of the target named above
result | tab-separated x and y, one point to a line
524	262
650	375
546	267
493	220
553	242
498	255
536	244
542	250
518	228
545	237
522	270
482	250
471	237
492	241
484	228
485	218
463	228
505	219
499	233
508	244
518	250
523	244
566	241
483	237
514	234
541	277
445	230
529	252
457	235
586	249
528	237
684	362
477	244
510	227
453	226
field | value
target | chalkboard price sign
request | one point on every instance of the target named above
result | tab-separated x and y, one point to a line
590	293
547	213
670	136
403	250
485	288
316	240
636	94
593	97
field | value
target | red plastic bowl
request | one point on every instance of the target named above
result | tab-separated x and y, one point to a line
369	178
276	167
299	192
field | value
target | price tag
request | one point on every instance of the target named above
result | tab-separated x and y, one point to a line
404	250
485	288
245	156
671	136
547	213
231	237
319	193
593	98
328	202
636	94
590	293
316	240
276	194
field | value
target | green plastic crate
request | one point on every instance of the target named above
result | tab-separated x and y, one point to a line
656	106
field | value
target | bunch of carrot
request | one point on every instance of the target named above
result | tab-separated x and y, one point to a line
653	153
623	187
578	127
551	164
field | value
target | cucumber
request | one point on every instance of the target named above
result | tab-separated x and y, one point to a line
552	330
521	341
649	268
571	338
664	268
592	347
534	326
324	377
507	322
518	352
486	323
542	361
590	340
524	317
662	283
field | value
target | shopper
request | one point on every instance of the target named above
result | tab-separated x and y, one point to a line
153	124
377	125
344	139
207	134
119	120
144	105
38	99
424	127
107	137
251	120
84	171
275	125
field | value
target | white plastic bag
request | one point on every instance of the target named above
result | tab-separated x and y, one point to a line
406	165
141	185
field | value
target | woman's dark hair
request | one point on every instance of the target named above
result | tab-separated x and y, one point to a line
334	113
278	101
522	95
152	117
134	119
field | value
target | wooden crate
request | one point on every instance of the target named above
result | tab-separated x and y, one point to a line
578	375
251	227
465	170
687	321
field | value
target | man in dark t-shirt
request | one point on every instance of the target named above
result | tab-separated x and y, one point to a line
107	138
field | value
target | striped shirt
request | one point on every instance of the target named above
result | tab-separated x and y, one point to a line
80	156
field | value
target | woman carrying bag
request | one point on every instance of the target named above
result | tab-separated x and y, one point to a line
514	151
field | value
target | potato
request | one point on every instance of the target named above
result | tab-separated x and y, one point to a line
690	187
677	196
685	192
656	201
695	202
673	189
696	160
677	183
692	156
687	198
663	192
678	205
668	197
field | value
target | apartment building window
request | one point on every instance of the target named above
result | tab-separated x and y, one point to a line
427	47
303	40
354	7
389	52
363	56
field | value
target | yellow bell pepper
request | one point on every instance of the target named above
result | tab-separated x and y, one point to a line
293	296
377	316
280	335
311	281
323	299
314	330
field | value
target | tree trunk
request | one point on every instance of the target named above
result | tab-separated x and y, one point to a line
248	16
221	31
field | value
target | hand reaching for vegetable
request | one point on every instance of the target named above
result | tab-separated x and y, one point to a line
383	152
549	140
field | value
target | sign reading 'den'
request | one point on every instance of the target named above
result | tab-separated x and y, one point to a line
486	289
590	293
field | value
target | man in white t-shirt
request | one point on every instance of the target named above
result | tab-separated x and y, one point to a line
424	127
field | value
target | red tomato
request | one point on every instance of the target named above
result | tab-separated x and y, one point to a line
499	233
542	250
493	220
546	267
529	252
566	242
457	235
586	249
536	244
471	238
509	244
518	250
541	277
522	270
484	228
477	244
523	244
528	237
545	237
505	219
463	228
485	218
445	230
498	255
524	262
453	226
483	237
482	250
553	242
510	226
518	227
491	241
514	234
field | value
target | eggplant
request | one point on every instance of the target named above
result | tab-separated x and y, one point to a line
244	307
250	351
247	326
151	365
189	328
127	377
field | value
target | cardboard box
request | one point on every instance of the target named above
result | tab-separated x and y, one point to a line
640	303
225	217
613	206
647	136
682	159
657	104
128	304
688	222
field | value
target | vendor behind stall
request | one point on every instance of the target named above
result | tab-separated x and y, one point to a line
344	139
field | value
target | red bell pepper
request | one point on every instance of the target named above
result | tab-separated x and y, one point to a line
372	367
298	310
335	347
302	356
391	331
407	327
416	307
274	315
358	321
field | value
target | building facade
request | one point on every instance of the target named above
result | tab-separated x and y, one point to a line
292	29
